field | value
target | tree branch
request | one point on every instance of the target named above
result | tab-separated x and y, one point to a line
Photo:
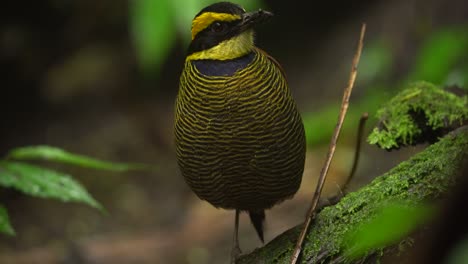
427	175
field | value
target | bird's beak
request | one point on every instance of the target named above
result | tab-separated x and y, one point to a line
251	19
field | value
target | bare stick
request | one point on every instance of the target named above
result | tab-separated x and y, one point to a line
336	199
360	135
331	150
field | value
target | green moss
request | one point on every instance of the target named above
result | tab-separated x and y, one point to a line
417	114
426	176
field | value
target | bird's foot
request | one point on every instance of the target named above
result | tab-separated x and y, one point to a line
235	254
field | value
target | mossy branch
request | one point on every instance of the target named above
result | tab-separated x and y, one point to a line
421	112
426	176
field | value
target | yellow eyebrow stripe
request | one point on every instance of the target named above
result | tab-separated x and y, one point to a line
204	20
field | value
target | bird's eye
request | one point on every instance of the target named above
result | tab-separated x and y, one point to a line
218	27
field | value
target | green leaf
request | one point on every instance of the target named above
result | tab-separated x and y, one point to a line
439	55
390	225
44	183
5	226
186	11
59	155
154	31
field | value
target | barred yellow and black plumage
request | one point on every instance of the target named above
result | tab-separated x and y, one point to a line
239	137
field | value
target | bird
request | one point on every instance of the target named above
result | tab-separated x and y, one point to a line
239	136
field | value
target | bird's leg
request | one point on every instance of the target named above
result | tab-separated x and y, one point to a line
235	253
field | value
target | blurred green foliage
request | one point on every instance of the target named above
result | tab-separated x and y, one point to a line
157	24
442	59
42	182
375	64
374	68
54	154
392	223
319	125
5	226
460	253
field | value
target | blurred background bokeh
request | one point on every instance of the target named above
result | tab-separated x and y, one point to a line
100	78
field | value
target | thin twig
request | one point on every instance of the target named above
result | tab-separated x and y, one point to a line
357	152
344	188
331	150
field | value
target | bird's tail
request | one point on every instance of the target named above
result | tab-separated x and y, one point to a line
258	218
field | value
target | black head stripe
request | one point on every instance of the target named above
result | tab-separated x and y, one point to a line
223	7
206	39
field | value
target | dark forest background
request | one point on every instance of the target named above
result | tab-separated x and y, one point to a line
72	76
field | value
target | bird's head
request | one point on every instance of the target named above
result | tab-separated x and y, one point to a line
223	31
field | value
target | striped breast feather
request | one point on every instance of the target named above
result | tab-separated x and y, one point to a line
239	139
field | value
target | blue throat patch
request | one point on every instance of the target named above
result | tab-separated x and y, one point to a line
223	67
